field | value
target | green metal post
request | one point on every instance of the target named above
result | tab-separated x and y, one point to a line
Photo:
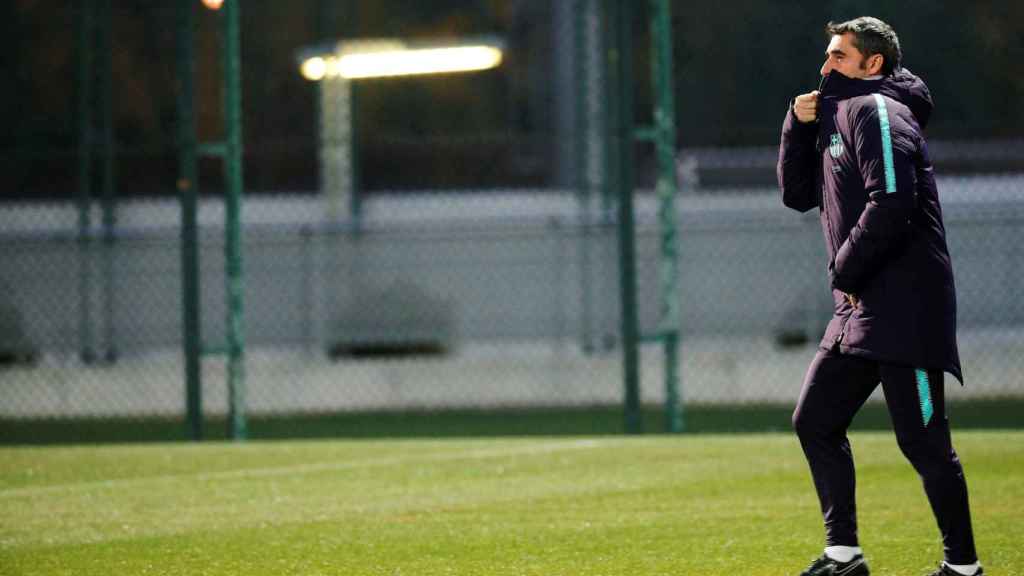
621	80
606	43
106	107
86	43
665	135
233	207
583	195
187	187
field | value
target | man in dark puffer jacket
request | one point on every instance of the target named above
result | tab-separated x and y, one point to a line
855	149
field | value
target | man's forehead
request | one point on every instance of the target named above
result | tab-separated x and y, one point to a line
842	44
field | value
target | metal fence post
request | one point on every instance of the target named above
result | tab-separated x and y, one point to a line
86	44
620	55
583	183
106	110
233	205
665	135
187	187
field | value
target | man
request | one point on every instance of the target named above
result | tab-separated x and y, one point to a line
855	149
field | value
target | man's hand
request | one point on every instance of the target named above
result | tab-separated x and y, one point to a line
805	107
852	300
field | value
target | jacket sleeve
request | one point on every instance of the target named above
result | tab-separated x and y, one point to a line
797	168
885	146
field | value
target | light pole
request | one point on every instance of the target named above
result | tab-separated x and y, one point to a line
336	65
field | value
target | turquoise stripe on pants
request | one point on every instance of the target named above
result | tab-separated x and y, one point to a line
924	393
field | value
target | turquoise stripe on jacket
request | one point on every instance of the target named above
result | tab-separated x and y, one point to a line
883	121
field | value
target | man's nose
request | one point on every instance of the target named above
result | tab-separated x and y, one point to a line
825	68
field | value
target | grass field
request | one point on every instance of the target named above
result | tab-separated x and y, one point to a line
706	504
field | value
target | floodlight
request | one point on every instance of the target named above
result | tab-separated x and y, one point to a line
339	65
360	59
314	68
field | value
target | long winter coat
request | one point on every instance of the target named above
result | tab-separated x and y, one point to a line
865	165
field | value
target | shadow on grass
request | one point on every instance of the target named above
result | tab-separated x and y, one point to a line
597	420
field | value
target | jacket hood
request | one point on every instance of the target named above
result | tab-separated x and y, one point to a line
902	86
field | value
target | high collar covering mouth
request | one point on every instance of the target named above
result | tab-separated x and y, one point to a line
835	84
902	86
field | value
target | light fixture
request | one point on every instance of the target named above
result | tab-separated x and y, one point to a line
386	58
314	68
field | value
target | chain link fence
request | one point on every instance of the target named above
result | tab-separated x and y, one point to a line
469	258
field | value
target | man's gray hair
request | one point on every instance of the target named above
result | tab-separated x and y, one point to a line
871	36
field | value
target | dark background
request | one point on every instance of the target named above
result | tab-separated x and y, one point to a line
737	63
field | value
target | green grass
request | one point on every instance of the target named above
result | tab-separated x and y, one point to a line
704	504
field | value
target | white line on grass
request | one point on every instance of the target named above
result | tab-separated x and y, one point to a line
268	472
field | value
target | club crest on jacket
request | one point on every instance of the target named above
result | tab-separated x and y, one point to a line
835	147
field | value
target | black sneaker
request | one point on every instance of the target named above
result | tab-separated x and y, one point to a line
826	566
947	571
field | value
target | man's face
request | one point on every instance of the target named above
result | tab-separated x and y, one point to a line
843	56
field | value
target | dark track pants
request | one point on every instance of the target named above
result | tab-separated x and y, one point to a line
835	388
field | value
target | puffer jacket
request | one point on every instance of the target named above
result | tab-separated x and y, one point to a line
864	164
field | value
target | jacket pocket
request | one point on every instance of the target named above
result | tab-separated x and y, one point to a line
873	299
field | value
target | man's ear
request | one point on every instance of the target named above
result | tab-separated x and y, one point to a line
875	64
